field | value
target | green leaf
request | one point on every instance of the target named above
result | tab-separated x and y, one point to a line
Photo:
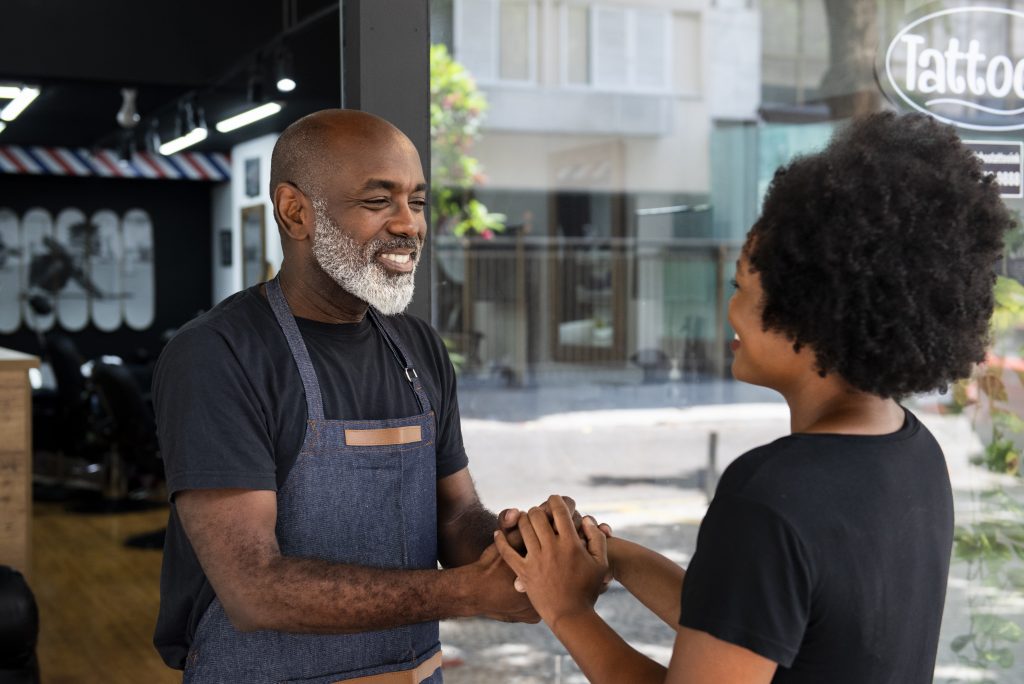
959	643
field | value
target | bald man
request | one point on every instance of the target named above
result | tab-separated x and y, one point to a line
312	443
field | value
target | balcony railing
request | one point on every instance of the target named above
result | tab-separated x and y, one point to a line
523	305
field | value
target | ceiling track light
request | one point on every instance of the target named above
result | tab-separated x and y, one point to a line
284	73
152	137
190	128
191	138
248	116
254	89
22	100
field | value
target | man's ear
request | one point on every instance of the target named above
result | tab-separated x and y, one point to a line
293	211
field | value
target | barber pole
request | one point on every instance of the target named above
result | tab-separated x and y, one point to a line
65	161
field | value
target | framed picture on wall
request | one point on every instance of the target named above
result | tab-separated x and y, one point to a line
225	246
253	247
252	177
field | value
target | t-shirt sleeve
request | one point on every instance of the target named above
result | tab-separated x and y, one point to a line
750	580
211	425
451	452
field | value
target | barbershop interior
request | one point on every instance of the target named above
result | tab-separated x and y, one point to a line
594	167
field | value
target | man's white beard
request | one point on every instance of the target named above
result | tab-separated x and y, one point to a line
355	268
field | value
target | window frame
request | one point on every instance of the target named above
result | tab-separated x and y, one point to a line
532	79
630	11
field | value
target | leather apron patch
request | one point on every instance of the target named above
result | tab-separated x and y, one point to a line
384	436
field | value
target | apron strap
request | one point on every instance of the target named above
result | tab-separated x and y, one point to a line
391	337
285	318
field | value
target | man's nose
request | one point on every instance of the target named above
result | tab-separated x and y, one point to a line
407	222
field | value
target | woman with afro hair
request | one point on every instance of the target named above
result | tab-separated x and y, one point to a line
824	555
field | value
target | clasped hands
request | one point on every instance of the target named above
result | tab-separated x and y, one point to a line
559	558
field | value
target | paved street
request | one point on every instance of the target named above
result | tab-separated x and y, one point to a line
644	470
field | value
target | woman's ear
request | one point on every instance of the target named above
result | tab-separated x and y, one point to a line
293	212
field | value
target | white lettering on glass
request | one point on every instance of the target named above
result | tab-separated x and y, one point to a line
938	79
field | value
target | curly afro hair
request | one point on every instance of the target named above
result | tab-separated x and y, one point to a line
879	254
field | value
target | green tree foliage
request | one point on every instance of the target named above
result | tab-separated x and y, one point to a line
457	109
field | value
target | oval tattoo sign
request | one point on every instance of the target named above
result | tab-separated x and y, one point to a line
961	66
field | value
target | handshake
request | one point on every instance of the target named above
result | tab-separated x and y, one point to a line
545	562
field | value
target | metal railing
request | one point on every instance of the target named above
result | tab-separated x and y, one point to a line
516	304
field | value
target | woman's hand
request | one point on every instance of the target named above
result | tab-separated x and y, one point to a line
562	574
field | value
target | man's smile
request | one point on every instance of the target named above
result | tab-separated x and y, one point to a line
399	261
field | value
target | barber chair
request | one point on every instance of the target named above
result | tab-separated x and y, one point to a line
19	629
131	462
65	425
75	405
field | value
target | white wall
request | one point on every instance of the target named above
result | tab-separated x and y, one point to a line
227	208
223	280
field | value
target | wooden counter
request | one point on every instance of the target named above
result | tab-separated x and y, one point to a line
16	459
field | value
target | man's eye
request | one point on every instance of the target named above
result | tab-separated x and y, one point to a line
376	202
418	202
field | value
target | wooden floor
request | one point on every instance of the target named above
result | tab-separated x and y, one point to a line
97	598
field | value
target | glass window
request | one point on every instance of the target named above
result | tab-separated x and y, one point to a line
582	277
514	41
577	44
617	48
495	39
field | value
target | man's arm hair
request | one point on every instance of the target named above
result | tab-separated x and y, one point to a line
464	527
233	534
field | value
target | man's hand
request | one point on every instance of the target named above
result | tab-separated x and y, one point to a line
562	573
508	521
496	598
508	525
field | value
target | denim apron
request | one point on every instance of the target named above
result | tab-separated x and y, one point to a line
353	496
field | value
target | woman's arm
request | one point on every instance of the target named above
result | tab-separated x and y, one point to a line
562	576
654	580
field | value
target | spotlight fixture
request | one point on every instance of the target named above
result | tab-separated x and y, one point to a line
152	138
9	92
284	74
249	116
254	90
190	129
258	109
22	100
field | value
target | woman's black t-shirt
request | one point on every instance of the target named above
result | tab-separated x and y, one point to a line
829	554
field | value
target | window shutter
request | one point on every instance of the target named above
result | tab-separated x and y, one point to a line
650	44
610	47
476	37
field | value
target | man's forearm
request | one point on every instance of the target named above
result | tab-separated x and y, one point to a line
310	595
463	538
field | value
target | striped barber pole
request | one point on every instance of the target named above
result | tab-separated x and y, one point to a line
65	161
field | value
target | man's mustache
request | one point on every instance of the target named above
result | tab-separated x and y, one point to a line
378	247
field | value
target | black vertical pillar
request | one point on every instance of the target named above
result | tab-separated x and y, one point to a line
385	70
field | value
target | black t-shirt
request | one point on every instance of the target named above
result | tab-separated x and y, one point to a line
231	412
829	554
